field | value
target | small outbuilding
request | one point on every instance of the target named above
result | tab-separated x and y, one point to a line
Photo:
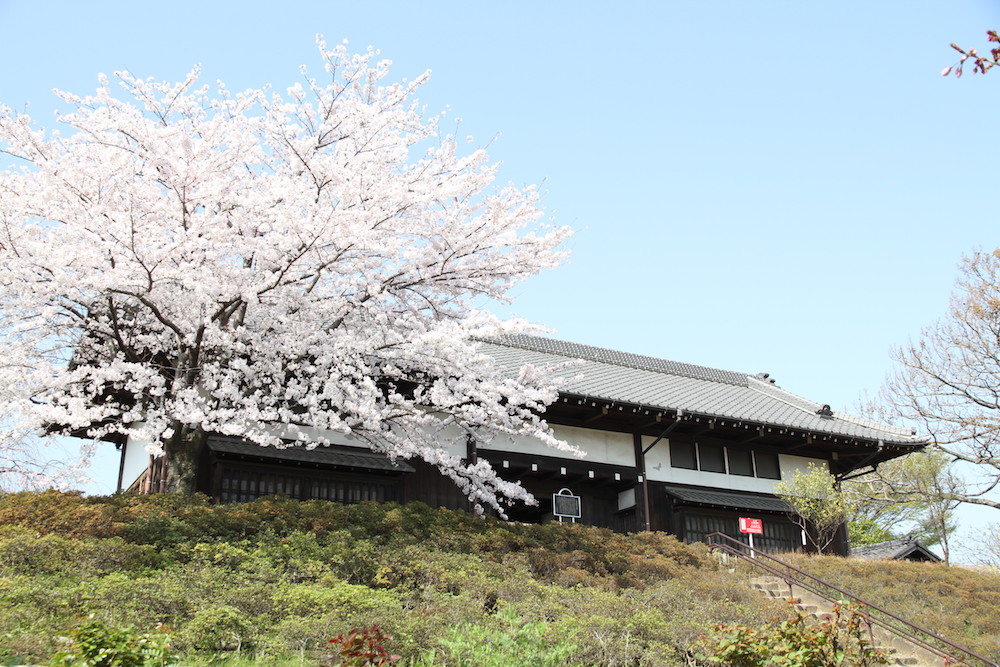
905	549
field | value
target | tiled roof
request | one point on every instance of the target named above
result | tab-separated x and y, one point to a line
895	550
621	377
353	458
732	499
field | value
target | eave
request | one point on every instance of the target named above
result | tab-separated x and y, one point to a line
844	453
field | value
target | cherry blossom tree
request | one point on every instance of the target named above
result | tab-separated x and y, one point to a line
948	382
275	266
980	64
26	462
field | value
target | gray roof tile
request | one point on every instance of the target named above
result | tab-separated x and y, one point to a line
895	549
332	456
734	499
668	385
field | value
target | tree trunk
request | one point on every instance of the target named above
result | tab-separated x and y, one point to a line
182	455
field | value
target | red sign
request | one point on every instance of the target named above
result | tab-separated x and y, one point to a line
752	526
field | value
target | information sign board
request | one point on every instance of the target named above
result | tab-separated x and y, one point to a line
566	505
751	526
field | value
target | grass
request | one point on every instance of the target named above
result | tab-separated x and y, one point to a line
270	582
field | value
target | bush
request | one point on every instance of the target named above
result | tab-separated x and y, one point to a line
66	514
838	641
24	551
217	628
956	602
95	644
287	576
360	648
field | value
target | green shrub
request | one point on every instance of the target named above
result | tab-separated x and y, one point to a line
95	644
338	599
24	551
287	576
956	602
841	640
217	628
154	599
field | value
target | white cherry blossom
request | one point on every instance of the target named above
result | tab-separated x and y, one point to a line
177	262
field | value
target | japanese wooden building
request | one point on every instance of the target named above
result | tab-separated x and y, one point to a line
670	446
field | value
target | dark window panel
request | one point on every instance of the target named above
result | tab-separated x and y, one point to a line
712	458
740	462
682	455
767	465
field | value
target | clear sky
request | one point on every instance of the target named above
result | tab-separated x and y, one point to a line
777	186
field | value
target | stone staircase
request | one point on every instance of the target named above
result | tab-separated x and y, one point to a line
815	607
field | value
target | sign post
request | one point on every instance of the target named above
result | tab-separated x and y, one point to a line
751	527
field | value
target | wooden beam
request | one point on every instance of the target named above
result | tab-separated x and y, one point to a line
600	415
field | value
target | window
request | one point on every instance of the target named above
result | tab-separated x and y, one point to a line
767	465
716	458
740	462
243	484
682	455
712	458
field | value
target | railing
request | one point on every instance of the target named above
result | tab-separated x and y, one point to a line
951	653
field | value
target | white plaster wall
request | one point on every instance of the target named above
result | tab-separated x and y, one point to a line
792	464
451	436
599	446
136	461
657	459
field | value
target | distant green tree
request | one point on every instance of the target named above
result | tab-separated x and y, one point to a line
914	496
868	531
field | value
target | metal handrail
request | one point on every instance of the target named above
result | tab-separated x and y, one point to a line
922	637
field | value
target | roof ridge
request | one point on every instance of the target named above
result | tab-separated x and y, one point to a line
619	358
785	396
871	423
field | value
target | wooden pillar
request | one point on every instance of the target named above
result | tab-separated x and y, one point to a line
642	501
471	453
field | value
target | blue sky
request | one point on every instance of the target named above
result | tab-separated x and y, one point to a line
758	186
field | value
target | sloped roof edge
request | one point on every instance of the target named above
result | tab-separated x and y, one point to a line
659	384
728	499
895	550
341	457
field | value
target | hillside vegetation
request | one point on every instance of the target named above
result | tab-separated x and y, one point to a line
271	582
960	604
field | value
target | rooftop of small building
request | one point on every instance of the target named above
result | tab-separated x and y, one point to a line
901	549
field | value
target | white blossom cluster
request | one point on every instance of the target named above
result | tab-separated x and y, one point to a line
180	259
